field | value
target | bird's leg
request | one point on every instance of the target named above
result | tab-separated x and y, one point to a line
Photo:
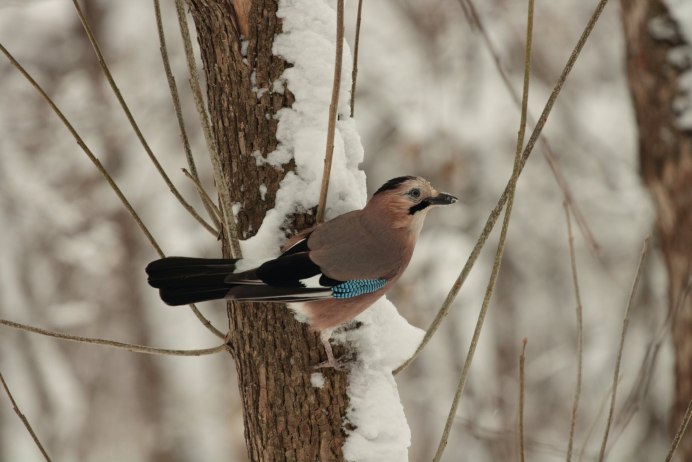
331	362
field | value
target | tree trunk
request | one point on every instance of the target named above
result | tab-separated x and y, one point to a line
286	418
666	166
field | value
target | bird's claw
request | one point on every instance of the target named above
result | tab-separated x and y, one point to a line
340	364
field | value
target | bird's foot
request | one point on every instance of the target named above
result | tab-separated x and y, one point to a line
340	364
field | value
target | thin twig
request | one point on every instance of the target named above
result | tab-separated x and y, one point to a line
229	225
101	169
24	420
205	322
133	123
495	213
179	111
681	432
500	246
354	72
522	387
120	345
592	426
333	108
632	404
86	149
474	19
211	206
625	323
493	437
99	166
580	354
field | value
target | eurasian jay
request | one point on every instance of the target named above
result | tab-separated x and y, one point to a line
331	272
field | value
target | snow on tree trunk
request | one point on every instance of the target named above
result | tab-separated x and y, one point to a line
269	67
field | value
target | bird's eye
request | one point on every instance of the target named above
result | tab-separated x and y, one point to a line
414	193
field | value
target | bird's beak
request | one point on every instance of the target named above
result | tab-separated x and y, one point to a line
442	199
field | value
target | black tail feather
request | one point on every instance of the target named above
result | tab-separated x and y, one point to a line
184	280
176	297
182	266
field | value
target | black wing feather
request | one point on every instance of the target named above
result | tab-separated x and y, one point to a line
287	271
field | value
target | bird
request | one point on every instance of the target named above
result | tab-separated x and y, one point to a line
330	272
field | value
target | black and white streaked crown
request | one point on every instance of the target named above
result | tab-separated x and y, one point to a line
394	183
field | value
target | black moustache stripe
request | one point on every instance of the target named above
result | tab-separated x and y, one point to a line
419	206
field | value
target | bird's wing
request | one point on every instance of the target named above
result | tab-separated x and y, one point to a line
293	277
296	277
336	259
346	250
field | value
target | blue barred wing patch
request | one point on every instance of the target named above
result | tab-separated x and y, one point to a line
357	287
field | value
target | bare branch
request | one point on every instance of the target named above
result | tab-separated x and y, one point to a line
86	150
229	224
104	172
681	432
592	427
333	108
179	114
211	206
500	246
616	372
580	335
641	387
495	213
206	323
522	387
354	72
24	420
120	345
133	123
474	19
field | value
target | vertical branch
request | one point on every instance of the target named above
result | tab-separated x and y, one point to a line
229	225
522	386
333	107
681	432
354	72
616	372
501	244
474	19
133	123
594	423
580	354
495	213
179	113
211	206
24	420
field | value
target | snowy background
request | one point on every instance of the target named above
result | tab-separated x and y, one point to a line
429	102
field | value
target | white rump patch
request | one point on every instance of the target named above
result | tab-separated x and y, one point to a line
313	282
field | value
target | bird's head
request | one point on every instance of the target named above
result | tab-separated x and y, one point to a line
406	200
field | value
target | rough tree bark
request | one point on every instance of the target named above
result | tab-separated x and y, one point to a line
666	166
286	418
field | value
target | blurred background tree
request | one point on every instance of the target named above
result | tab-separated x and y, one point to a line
654	38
